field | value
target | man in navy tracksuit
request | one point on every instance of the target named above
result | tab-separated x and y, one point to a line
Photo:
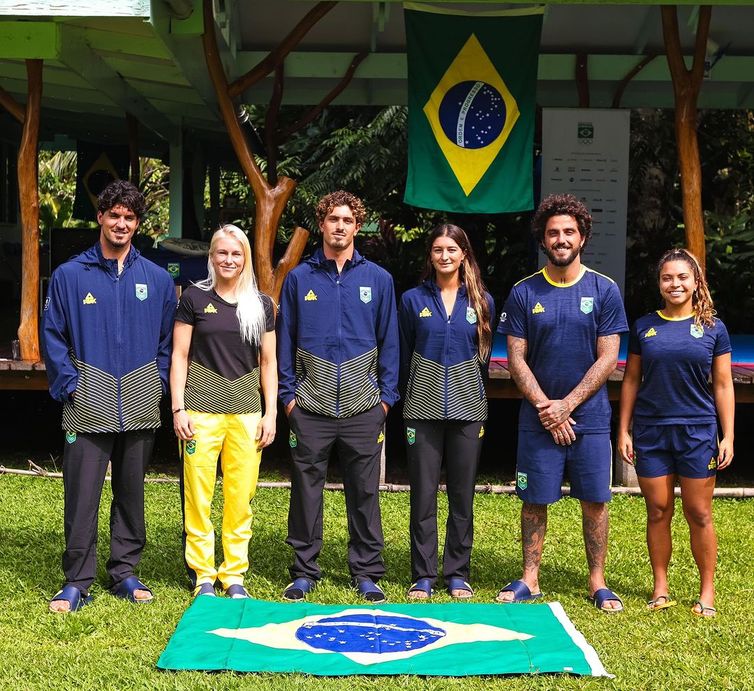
338	360
108	321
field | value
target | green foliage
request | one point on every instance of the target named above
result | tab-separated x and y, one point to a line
112	644
655	215
155	186
57	192
730	257
727	149
57	189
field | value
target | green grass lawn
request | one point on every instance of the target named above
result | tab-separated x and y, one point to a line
114	645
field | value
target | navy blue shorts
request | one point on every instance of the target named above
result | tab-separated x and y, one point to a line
685	450
541	466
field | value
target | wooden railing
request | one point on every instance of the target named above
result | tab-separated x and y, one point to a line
500	384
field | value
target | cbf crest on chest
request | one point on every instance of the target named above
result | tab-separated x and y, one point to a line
587	305
141	291
365	294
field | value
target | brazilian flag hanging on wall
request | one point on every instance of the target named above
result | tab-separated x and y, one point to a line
472	81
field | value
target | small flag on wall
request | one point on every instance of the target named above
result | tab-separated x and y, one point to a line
472	81
97	165
437	640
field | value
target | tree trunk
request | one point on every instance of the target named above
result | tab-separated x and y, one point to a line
270	200
28	330
686	86
691	176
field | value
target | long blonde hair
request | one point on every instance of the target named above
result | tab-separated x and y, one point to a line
701	300
249	306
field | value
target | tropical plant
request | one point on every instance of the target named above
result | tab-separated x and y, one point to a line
57	189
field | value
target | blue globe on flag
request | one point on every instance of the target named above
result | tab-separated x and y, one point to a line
369	633
472	114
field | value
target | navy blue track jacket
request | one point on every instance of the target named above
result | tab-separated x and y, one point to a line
337	337
107	341
441	376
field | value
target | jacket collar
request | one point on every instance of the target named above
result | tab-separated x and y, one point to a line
319	261
94	256
433	288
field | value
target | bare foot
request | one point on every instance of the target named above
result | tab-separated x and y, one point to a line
59	606
702	610
507	594
461	594
142	595
417	595
612	604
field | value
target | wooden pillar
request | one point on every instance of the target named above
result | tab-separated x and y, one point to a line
581	75
213	173
686	86
28	330
133	149
176	188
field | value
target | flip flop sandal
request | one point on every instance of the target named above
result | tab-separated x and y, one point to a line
422	585
237	592
204	589
298	590
459	584
661	602
704	610
127	587
73	596
520	590
601	596
369	590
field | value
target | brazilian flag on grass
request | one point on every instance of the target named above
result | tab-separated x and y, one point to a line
472	81
454	639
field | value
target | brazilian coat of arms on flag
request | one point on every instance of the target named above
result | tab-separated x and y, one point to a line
334	640
472	81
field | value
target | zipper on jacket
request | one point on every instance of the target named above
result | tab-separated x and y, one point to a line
446	342
118	344
340	343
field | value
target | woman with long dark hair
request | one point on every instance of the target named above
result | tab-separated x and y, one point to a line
223	348
673	355
446	341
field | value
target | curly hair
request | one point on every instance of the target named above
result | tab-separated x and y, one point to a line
341	198
122	193
561	205
701	300
472	277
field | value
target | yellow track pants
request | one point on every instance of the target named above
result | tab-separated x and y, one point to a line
232	437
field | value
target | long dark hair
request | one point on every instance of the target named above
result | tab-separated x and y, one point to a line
701	300
471	277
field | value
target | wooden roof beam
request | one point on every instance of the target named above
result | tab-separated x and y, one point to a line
183	39
76	53
552	66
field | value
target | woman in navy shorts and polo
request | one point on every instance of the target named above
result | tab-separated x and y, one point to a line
673	355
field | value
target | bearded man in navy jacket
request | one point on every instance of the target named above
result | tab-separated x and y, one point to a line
107	327
337	335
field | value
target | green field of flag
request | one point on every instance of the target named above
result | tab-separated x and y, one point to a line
471	93
452	639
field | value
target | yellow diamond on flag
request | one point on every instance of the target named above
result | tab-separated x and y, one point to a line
471	113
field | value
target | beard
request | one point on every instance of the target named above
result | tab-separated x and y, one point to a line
556	260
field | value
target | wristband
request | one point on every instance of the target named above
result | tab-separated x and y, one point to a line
177	410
